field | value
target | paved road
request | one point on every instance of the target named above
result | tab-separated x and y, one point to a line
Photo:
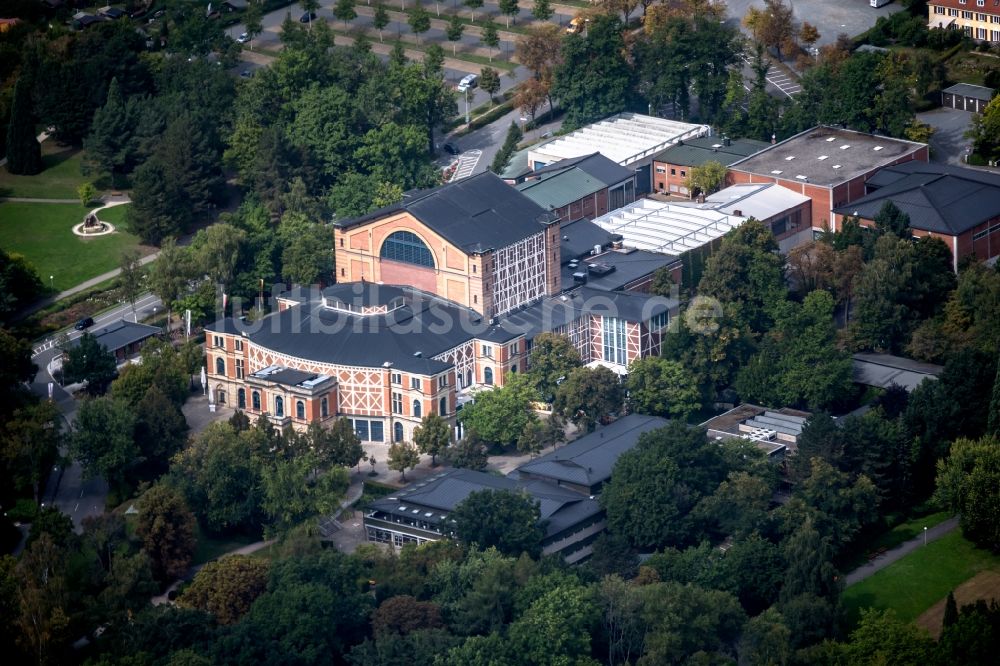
67	488
900	551
831	17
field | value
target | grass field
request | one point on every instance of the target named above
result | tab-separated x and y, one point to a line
44	234
115	215
210	548
897	535
59	180
919	580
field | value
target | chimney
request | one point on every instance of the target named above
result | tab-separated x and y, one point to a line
701	197
738	213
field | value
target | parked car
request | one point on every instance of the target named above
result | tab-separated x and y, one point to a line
246	74
84	323
467	83
451	149
308	16
576	25
158	13
244	38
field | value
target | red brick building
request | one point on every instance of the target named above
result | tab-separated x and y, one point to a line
581	188
672	167
827	164
959	206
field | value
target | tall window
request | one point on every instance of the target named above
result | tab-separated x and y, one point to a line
614	340
397	432
279	406
241	399
415	383
324	408
488	376
404	246
659	321
239	368
300	409
443	407
220	366
255	401
397	403
416	409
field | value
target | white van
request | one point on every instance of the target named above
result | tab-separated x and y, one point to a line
469	82
879	3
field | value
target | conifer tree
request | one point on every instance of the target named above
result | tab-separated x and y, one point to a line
24	154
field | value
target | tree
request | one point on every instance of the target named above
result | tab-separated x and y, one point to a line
403	456
86	192
501	519
253	20
344	10
91	362
309	6
490	35
808	33
499	416
556	628
542	11
29	443
24	153
43	600
453	31
166	528
419	20
227	587
467	453
588	395
20	283
103	439
706	178
509	9
489	81
552	358
307	258
160	432
984	133
169	274
771	25
882	638
473	5
593	80
131	278
655	485
403	614
891	220
662	387
968	483
882	320
114	143
157	209
950	611
380	19
432	436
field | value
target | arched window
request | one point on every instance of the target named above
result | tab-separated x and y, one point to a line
397	432
220	395
255	401
513	368
300	409
416	408
443	406
241	398
279	406
220	366
404	246
488	376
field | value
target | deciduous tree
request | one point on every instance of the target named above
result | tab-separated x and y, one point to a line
432	436
227	587
662	387
588	395
968	482
552	358
499	416
91	362
403	456
103	439
502	519
167	529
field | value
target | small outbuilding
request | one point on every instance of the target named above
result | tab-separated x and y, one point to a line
967	97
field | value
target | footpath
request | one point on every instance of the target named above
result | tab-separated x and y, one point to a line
900	551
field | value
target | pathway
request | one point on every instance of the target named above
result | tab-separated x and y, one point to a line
900	551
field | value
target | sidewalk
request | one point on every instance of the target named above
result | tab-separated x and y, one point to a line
900	551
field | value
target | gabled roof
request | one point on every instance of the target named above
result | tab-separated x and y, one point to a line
121	334
969	90
938	198
590	460
628	265
566	181
478	214
696	151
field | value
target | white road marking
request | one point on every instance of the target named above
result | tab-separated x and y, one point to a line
467	162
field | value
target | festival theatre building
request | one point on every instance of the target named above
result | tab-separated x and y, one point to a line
437	296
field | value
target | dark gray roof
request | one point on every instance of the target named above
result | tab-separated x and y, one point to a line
552	313
629	265
477	214
363	294
580	237
969	90
121	334
595	165
939	198
290	377
826	156
407	337
590	460
695	152
883	370
441	493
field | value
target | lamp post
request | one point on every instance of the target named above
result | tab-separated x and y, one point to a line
466	106
52	279
925	535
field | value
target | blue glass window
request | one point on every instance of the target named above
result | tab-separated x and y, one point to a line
404	246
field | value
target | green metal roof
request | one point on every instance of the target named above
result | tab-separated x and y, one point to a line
695	152
561	189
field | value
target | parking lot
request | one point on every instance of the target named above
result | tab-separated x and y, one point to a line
948	144
831	17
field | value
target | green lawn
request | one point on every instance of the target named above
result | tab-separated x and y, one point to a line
210	548
115	215
919	580
59	180
897	535
44	234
